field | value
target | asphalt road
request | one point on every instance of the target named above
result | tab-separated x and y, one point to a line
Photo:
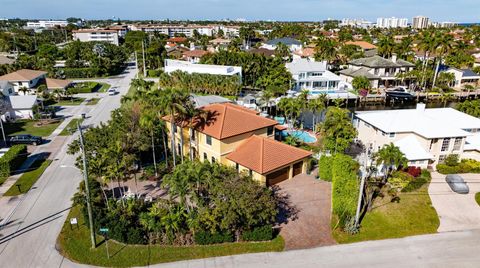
28	239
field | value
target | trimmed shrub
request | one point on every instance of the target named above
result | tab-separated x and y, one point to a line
325	167
263	233
345	186
86	87
12	160
154	73
81	72
452	160
414	171
206	238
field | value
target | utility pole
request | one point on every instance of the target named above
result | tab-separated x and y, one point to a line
360	195
136	64
3	132
87	190
143	52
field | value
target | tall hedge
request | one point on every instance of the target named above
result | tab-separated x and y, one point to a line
12	160
325	167
345	186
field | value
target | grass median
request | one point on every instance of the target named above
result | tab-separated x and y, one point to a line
412	215
71	127
93	101
74	244
28	179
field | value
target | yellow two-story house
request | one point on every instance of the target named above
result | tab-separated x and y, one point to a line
239	137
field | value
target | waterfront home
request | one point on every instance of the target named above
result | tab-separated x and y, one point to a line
464	77
240	138
380	71
312	76
425	136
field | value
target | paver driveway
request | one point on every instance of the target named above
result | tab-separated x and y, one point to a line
456	211
312	201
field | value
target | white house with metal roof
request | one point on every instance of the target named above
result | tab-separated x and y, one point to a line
291	43
464	77
425	136
185	66
312	76
380	71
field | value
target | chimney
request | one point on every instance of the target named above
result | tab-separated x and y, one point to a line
421	107
394	57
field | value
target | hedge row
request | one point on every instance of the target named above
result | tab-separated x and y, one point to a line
465	166
80	72
325	167
85	87
206	238
12	160
263	233
345	186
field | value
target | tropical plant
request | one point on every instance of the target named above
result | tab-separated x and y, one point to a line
390	157
337	130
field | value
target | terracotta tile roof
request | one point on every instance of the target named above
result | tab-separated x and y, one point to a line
264	155
177	39
195	53
263	51
57	83
22	75
228	120
362	44
305	52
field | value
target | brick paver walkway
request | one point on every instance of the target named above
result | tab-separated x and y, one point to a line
312	201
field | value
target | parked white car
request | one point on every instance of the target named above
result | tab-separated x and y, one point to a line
112	91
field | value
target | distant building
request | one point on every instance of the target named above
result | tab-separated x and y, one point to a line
312	76
291	43
392	22
98	35
185	66
46	24
361	23
464	77
194	56
420	22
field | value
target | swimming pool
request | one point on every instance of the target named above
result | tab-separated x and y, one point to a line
280	119
301	135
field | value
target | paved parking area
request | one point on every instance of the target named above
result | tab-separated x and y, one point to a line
311	200
457	212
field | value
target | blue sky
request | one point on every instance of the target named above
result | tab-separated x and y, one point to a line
438	10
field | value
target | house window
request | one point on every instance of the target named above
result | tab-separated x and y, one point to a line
20	83
209	140
391	135
376	71
269	131
445	144
213	159
192	135
442	158
250	172
237	167
316	74
457	144
205	156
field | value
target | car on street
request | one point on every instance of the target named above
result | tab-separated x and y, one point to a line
26	139
457	184
112	91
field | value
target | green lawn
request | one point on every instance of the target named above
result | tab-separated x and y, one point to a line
477	198
65	102
104	87
413	215
75	244
71	127
29	178
93	101
30	127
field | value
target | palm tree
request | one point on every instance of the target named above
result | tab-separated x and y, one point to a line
391	157
24	90
444	45
445	98
427	44
325	49
266	97
316	105
147	122
386	46
291	109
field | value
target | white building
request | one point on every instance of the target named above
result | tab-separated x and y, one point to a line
291	43
98	35
425	136
23	79
392	22
22	106
46	24
173	29
464	77
312	75
420	22
361	23
185	66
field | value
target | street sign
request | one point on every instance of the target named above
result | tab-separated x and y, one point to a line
104	230
73	221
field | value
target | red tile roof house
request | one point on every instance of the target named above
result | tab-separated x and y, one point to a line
194	56
238	137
